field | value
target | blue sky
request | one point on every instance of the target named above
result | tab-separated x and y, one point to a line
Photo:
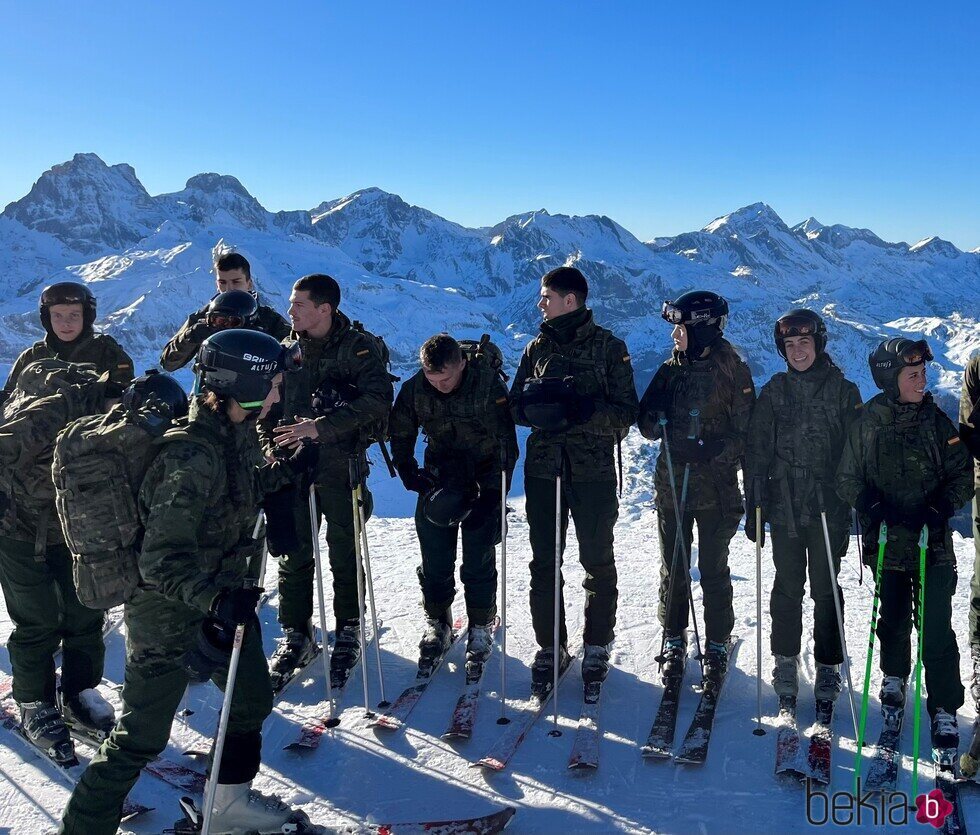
660	116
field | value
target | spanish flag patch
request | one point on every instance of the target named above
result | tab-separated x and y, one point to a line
501	401
954	440
365	351
746	391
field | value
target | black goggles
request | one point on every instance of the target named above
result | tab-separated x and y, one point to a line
796	326
225	321
918	353
672	313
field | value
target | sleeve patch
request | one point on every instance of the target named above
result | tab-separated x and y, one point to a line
124	365
363	353
501	401
626	358
746	391
954	440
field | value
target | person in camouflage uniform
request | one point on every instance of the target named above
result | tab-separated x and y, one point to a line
67	311
706	394
232	272
574	388
197	504
337	402
904	464
794	444
462	408
970	433
35	564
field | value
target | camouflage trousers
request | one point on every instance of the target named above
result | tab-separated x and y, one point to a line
41	601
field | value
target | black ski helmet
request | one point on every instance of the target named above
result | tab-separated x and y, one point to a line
891	356
800	322
448	506
67	292
157	386
545	402
233	309
704	314
241	364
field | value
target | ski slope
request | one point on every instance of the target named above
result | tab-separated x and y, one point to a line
359	773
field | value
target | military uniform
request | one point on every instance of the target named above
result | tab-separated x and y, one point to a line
198	504
98	349
349	359
969	426
910	453
35	564
573	345
182	348
795	438
713	498
465	431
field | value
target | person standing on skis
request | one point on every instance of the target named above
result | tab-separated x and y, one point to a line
796	435
904	465
706	393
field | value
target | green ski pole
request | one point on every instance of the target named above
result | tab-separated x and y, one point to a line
923	545
882	539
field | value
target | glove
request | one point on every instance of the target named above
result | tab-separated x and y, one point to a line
937	513
211	650
237	605
699	451
302	463
417	480
750	529
753	499
581	408
4	504
280	521
201	330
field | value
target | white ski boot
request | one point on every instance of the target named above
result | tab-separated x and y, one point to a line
239	809
90	713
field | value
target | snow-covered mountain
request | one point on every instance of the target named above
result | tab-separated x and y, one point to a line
406	272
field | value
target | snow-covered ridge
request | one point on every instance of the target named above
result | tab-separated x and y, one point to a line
406	272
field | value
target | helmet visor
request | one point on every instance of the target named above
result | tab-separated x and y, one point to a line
918	353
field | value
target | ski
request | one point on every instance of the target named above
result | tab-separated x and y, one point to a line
789	756
660	740
464	714
883	771
944	760
394	717
821	743
503	749
694	748
193	822
585	748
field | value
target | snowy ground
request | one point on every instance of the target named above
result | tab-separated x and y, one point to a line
359	773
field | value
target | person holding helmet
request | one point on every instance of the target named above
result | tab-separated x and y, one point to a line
67	310
197	503
574	388
795	439
705	394
230	308
904	465
461	406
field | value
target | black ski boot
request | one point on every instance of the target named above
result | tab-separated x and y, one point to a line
435	643
715	663
595	663
674	657
45	727
346	652
543	670
295	650
479	645
88	713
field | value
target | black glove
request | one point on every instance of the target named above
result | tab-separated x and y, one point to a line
937	513
211	650
201	330
581	408
750	529
4	504
698	451
234	606
417	480
280	521
302	463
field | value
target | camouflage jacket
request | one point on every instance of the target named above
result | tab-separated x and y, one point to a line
970	413
28	433
351	361
198	504
795	438
464	429
99	349
182	348
909	452
678	387
574	345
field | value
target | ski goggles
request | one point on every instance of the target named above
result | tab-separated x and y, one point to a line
292	357
796	326
225	321
678	316
918	353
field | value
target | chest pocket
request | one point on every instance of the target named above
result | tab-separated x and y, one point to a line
910	454
691	390
809	430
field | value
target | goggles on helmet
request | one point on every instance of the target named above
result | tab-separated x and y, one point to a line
224	321
796	326
918	353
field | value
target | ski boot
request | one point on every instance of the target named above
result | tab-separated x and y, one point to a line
787	707
435	643
786	677
479	645
829	682
543	670
346	652
45	728
674	657
595	663
715	664
240	809
945	737
294	651
88	713
892	698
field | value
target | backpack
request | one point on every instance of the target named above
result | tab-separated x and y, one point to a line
51	375
98	468
379	433
483	351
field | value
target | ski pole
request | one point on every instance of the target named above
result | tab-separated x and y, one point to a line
356	512
837	609
923	546
260	579
503	720
219	742
370	588
332	721
882	540
759	730
557	590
